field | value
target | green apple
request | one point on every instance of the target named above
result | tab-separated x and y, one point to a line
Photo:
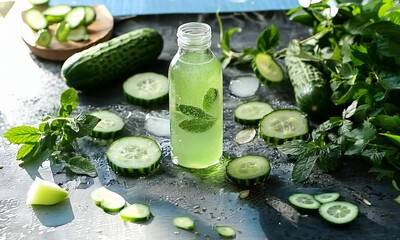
43	192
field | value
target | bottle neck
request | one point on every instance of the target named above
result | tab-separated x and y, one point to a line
194	36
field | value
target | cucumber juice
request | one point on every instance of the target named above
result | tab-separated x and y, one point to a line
196	100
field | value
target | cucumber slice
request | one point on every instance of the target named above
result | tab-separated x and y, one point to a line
90	15
281	125
35	19
62	31
226	231
338	212
184	222
78	34
37	3
327	197
134	155
136	212
251	113
56	13
146	89
304	201
76	17
99	194
43	38
43	192
248	170
112	202
110	125
267	69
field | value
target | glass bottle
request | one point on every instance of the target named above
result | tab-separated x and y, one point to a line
195	99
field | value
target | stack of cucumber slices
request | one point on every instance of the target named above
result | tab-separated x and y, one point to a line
70	23
328	206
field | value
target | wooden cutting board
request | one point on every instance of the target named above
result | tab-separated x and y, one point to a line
99	31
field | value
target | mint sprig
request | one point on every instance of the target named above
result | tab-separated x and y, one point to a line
54	137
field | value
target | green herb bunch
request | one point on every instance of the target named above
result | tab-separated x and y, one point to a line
54	137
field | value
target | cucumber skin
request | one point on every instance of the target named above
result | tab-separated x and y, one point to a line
132	172
105	135
146	103
250	181
112	60
312	94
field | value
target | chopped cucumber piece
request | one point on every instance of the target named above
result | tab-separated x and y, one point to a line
338	212
251	113
39	2
56	13
248	170
146	89
99	194
90	15
35	19
184	222
76	17
78	34
112	202
43	192
62	31
43	38
304	201
110	125
136	212
327	197
397	199
281	125
134	155
267	69
226	231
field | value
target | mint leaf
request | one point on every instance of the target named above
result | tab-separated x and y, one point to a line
81	165
366	132
193	111
359	55
389	80
394	138
294	147
22	134
68	101
210	98
24	150
268	40
303	168
197	125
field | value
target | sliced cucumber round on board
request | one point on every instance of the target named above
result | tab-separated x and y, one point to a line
327	197
76	17
281	125
146	89
250	113
248	170
78	34
110	125
304	201
338	212
135	212
35	19
183	222
90	15
134	155
43	38
56	13
267	69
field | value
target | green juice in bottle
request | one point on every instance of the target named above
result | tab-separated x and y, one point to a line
196	99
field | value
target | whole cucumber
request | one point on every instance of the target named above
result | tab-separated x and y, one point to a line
112	60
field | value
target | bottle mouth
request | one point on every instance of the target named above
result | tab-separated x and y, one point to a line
194	35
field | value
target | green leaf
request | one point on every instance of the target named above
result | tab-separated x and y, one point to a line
359	55
86	123
197	125
68	101
389	80
366	131
81	165
268	40
227	36
210	98
22	134
303	168
374	155
294	147
24	150
387	123
350	110
394	138
193	111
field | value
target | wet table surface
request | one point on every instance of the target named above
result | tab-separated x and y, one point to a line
30	88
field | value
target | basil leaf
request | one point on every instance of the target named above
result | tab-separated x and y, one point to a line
22	134
193	111
68	101
209	98
268	39
81	165
197	125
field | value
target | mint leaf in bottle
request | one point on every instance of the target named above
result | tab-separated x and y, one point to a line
192	111
209	98
197	125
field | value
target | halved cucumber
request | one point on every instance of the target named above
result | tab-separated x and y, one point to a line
110	125
35	19
281	125
327	197
43	38
267	69
251	113
248	170
136	212
134	155
304	201
338	212
56	13
76	17
146	89
90	15
226	231
183	222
